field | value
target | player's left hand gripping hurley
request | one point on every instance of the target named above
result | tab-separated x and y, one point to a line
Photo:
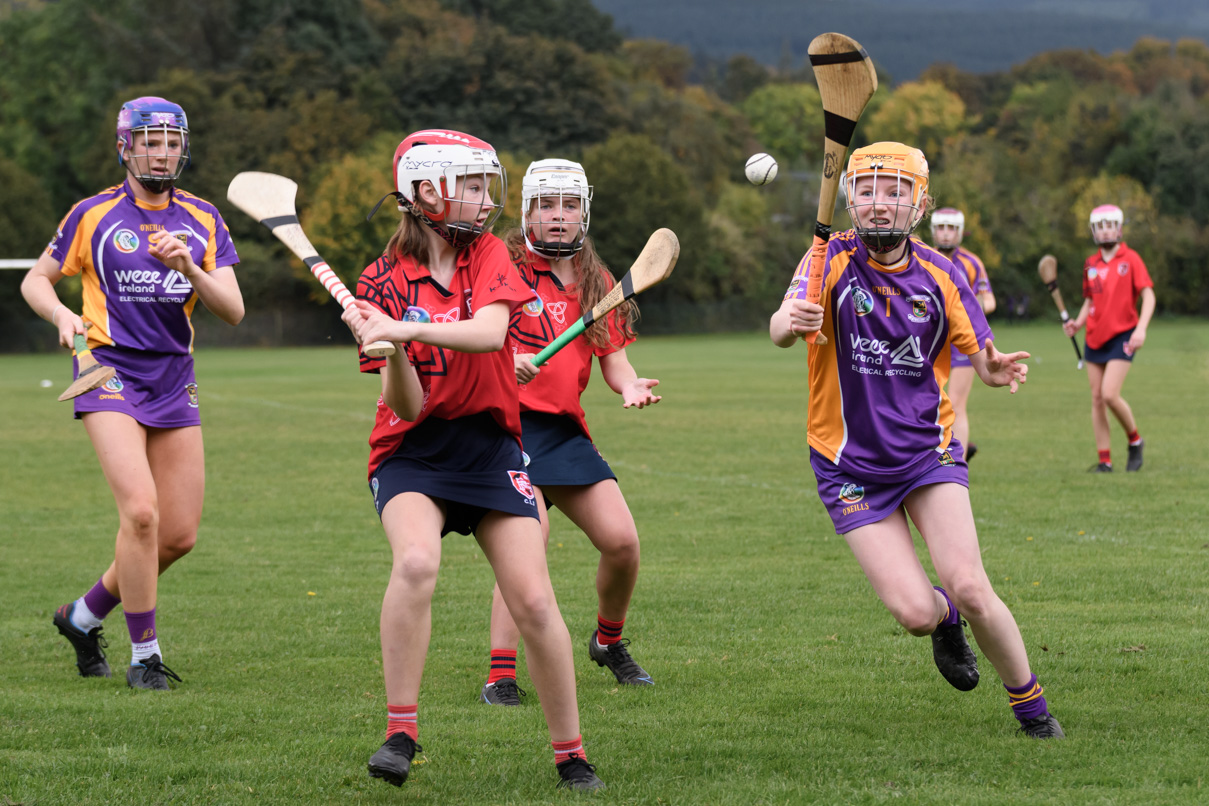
847	80
269	198
653	266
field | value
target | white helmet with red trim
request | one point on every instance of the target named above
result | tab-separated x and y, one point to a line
463	169
1106	222
560	179
900	165
948	227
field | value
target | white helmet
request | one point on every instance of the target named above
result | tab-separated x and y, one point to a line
1106	222
440	156
948	217
561	178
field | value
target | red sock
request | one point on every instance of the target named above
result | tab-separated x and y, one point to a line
1134	438
608	632
564	750
503	665
402	719
1106	457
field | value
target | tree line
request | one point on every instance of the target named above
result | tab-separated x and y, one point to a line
323	90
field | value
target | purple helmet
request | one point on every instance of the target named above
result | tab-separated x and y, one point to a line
151	114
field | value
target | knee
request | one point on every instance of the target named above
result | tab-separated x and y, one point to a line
142	518
1111	400
175	547
416	568
917	617
973	598
621	550
1097	399
533	609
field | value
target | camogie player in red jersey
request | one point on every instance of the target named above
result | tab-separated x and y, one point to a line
880	426
1113	279
445	449
557	260
948	227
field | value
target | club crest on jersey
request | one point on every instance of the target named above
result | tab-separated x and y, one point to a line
919	309
520	480
415	313
114	384
1123	268
534	307
191	391
862	301
452	315
183	237
851	493
1091	273
558	311
946	458
125	241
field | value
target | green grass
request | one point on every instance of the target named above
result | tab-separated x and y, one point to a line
780	677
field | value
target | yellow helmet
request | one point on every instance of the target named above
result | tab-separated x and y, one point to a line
893	162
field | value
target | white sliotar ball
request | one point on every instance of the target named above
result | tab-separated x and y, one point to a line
761	169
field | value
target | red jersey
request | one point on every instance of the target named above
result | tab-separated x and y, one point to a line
455	384
1113	288
557	388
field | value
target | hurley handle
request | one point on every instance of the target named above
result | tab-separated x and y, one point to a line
556	345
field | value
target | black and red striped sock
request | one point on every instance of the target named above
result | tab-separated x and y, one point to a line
1135	438
608	632
503	665
1105	457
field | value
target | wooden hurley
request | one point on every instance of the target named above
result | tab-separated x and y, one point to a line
92	375
269	199
653	266
1048	269
847	81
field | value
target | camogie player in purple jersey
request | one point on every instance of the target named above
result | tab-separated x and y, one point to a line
146	252
880	425
948	227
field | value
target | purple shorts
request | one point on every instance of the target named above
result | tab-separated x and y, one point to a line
957	358
156	389
852	502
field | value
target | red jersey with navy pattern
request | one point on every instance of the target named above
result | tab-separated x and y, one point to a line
455	384
131	298
560	384
1113	286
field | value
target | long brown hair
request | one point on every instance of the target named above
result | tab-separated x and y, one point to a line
408	240
593	281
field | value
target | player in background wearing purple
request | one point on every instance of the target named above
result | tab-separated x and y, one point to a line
445	448
948	227
555	257
1113	280
147	252
880	425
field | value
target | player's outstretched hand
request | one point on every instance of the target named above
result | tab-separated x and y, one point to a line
525	371
1005	369
638	393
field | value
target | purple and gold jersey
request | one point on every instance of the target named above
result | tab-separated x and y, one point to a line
131	299
976	272
877	404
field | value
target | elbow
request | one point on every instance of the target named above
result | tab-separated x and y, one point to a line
235	315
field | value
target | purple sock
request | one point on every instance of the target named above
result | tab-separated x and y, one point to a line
141	626
953	617
100	601
1027	701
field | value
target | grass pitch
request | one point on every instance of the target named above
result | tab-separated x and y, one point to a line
780	678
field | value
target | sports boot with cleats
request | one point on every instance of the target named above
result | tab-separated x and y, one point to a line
150	674
1134	463
1042	727
617	658
954	658
89	646
1100	467
392	762
576	773
502	692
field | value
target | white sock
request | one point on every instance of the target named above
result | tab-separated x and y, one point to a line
140	652
82	618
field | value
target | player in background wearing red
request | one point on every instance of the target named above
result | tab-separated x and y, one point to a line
880	424
1114	277
146	252
557	260
948	228
445	449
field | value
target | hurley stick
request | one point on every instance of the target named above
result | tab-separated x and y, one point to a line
847	81
1048	269
653	266
92	374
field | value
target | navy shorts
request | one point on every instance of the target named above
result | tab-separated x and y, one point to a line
559	452
470	464
1111	350
852	502
156	389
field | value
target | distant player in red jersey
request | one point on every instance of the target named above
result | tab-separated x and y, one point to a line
1114	278
880	426
146	252
445	450
556	259
948	228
